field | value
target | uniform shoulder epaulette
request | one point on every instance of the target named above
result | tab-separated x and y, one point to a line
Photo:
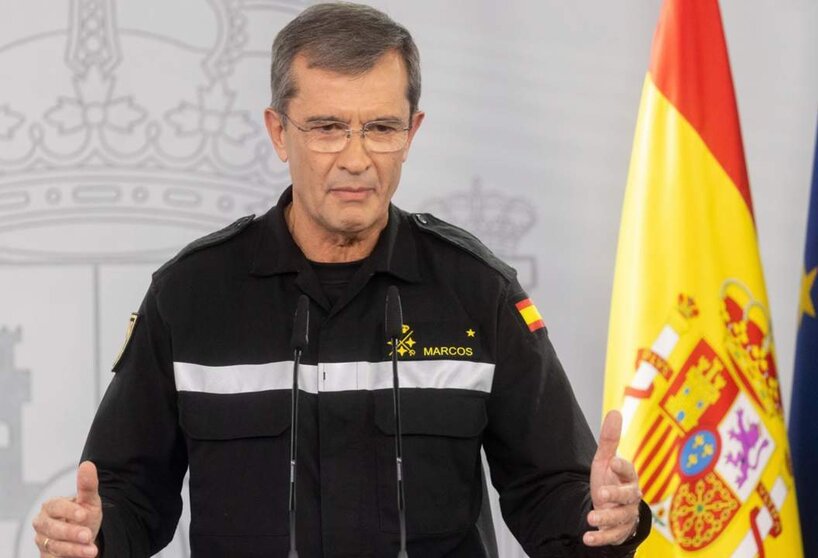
463	240
216	237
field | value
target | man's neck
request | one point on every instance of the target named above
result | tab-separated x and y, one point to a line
319	245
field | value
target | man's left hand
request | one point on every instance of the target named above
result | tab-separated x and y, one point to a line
614	489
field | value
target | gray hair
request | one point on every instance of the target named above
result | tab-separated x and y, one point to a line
341	37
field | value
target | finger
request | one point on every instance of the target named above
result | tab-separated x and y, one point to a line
614	517
624	494
609	436
613	536
623	469
60	530
63	508
88	485
64	549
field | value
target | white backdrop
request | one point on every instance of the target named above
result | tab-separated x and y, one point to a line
129	128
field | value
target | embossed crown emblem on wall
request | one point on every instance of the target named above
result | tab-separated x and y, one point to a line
499	220
135	126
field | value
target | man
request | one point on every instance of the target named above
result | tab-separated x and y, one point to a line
204	380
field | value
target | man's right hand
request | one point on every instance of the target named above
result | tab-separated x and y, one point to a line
68	527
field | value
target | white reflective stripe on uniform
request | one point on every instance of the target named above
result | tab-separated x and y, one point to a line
243	378
333	377
430	374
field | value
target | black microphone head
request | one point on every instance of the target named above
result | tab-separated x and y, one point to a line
394	314
301	324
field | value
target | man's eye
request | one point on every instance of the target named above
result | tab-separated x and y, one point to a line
382	128
328	128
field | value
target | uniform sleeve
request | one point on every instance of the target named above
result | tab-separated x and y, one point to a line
136	443
539	445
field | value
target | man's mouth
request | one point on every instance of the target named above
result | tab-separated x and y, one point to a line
351	193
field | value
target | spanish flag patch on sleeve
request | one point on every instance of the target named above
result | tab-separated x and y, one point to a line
530	314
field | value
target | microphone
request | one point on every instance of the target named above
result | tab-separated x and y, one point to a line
300	338
394	314
301	324
393	325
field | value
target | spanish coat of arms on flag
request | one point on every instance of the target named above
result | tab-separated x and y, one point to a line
691	360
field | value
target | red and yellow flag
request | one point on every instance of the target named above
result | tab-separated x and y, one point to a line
530	314
690	360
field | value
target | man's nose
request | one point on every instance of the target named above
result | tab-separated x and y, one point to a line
354	158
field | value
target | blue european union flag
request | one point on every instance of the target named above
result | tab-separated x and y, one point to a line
804	409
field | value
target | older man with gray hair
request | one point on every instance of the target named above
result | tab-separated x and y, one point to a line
205	382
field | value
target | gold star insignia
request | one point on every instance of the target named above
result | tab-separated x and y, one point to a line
470	332
806	305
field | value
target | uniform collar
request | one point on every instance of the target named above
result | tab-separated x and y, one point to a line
276	252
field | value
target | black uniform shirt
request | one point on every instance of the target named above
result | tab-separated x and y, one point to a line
205	383
334	278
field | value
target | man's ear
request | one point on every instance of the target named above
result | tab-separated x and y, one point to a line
275	129
416	121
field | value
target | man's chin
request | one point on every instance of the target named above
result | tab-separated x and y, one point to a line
355	223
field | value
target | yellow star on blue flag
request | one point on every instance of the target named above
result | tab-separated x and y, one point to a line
806	302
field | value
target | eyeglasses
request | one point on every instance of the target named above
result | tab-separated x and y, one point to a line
379	136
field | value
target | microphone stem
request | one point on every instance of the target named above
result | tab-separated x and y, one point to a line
399	450
293	450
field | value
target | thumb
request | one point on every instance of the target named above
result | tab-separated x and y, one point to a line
609	436
88	485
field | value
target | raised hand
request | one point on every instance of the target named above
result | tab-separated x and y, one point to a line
68	527
614	489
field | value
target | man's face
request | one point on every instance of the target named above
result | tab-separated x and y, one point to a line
348	192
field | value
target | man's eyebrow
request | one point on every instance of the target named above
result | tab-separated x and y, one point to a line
332	118
387	118
326	118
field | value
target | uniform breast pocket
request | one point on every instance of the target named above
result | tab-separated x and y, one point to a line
238	451
442	432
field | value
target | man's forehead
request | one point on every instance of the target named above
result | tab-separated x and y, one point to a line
379	91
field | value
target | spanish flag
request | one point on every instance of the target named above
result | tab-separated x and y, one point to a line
691	360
